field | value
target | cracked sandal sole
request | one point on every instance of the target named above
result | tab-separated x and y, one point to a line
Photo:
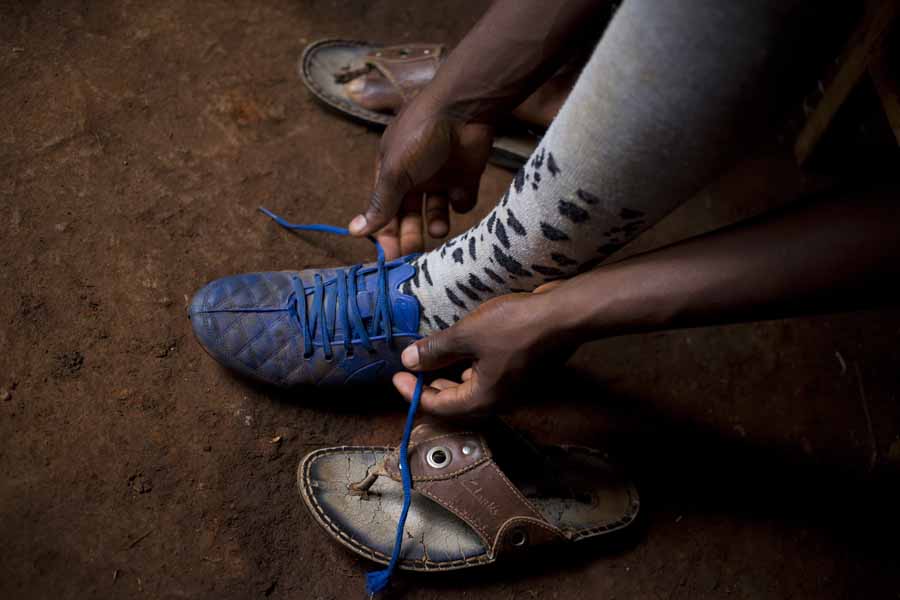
436	540
322	59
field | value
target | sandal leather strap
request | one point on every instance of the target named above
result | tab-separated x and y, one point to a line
455	468
408	67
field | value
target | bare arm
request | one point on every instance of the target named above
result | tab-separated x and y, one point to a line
836	254
440	142
512	49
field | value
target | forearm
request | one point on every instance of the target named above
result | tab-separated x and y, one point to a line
833	255
512	49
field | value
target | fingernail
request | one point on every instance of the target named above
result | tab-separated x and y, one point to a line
357	224
438	229
410	357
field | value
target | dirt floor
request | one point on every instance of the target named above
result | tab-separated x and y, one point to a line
138	139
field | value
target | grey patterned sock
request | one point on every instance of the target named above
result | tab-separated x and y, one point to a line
648	123
525	241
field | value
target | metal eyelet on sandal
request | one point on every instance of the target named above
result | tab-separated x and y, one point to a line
438	457
518	537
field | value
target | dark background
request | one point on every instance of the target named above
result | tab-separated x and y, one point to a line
137	140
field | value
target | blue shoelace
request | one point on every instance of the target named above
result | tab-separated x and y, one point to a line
345	310
376	581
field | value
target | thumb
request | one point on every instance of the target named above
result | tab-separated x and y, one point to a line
391	185
440	349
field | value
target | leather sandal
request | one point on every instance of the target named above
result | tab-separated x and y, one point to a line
478	495
327	65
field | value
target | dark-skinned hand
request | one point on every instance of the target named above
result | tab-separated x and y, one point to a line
506	340
429	158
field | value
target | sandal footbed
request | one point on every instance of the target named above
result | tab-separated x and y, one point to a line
435	538
321	60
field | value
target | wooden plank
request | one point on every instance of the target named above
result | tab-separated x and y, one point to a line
864	44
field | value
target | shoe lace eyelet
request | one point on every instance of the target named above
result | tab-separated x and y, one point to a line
438	457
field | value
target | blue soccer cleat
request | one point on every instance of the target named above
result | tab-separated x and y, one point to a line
319	326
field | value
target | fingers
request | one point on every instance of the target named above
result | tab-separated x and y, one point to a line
391	185
411	239
437	216
440	349
415	148
405	384
464	198
442	384
443	397
389	238
456	399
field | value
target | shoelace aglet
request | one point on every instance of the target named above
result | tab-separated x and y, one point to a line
377	581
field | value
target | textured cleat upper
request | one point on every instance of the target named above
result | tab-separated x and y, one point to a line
251	323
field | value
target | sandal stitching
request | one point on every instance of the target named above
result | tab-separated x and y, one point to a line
409	564
463	515
509	522
337	101
370	116
484	447
418	564
366	115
